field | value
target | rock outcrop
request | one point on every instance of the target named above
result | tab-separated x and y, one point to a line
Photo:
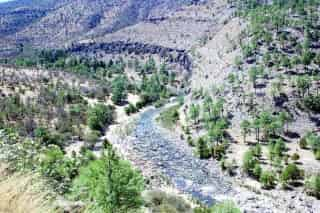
172	55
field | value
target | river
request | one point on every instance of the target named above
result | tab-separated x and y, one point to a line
201	179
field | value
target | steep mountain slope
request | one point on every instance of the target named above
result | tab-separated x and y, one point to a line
16	15
56	23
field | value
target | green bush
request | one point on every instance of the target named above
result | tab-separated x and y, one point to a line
225	207
267	179
151	88
109	185
313	141
219	150
46	138
303	143
257	150
276	149
92	138
100	116
312	102
290	173
119	89
312	186
257	171
160	201
202	148
249	161
170	116
317	154
295	157
190	140
59	170
130	109
142	103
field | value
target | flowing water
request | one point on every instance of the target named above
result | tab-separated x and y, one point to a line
202	179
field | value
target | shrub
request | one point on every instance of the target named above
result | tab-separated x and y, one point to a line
46	138
312	186
119	89
303	143
160	201
224	207
312	102
219	150
92	138
170	116
290	173
249	161
42	134
267	179
159	103
317	154
276	149
313	141
303	84
257	150
130	109
142	103
59	169
295	157
286	159
190	140
257	171
202	148
109	185
99	116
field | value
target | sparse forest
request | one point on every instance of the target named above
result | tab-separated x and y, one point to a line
160	106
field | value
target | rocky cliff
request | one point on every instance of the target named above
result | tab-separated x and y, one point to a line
172	55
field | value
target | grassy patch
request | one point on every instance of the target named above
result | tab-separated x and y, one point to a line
169	117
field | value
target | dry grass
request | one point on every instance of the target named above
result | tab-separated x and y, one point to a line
22	194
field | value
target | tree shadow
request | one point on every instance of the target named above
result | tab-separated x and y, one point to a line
292	135
315	120
280	100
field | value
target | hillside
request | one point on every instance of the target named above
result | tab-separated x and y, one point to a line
57	23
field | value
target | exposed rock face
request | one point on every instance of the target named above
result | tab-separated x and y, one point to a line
172	55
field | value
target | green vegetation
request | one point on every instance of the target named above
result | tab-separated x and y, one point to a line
59	169
170	116
194	112
48	114
49	161
119	89
290	173
202	148
267	179
245	129
109	185
60	59
164	202
312	186
82	176
224	207
130	109
152	87
100	116
249	162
